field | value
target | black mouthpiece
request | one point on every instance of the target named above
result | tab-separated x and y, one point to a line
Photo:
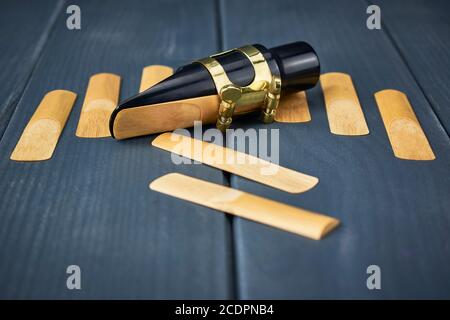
296	63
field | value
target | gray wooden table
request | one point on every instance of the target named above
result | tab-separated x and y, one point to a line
90	204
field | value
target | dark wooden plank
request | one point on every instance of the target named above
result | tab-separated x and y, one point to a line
25	27
421	32
394	213
90	204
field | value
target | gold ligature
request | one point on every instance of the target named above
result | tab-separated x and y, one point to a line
265	88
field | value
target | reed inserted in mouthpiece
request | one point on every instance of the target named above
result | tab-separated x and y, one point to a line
192	94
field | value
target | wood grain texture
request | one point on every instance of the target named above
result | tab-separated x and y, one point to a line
236	162
245	205
344	112
90	204
102	96
151	75
30	20
40	136
293	108
407	138
420	31
394	213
